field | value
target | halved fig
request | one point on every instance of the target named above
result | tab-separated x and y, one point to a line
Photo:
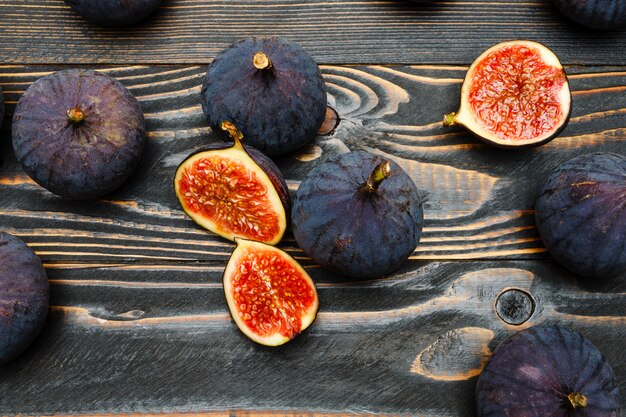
234	191
515	94
270	296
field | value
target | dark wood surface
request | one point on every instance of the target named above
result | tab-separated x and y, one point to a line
138	322
334	31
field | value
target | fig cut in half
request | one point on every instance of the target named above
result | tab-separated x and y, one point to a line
270	296
514	95
234	191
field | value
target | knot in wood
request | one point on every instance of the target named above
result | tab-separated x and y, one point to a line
515	306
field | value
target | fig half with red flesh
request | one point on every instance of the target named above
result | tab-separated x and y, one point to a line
234	191
514	95
270	296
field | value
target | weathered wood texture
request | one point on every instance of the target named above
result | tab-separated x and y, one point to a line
138	321
478	201
160	340
334	31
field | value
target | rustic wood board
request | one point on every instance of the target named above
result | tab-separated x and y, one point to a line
334	31
122	339
138	323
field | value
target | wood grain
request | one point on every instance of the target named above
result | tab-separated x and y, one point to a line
154	347
478	201
139	323
334	31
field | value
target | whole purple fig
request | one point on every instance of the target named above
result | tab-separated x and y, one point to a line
271	89
24	294
595	14
114	12
547	371
78	133
581	214
358	214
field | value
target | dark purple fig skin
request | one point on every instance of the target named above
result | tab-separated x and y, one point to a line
278	110
24	295
595	14
266	164
85	160
356	233
581	215
531	374
114	12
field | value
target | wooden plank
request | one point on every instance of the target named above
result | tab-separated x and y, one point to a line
411	344
334	31
478	201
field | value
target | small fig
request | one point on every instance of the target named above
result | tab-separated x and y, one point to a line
271	89
114	12
595	14
359	215
78	133
515	95
547	371
581	214
24	294
234	191
270	296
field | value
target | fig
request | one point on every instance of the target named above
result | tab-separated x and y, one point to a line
596	14
114	12
271	89
359	215
547	371
270	296
581	214
24	295
234	191
78	133
515	95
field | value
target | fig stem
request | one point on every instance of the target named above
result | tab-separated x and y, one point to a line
75	115
577	400
449	119
261	61
380	173
232	130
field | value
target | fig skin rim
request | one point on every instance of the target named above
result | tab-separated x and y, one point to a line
237	153
466	117
276	339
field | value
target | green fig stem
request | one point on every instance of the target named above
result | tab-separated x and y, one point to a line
577	400
380	173
261	61
232	130
75	116
449	119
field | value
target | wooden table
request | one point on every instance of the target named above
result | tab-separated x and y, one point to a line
138	322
